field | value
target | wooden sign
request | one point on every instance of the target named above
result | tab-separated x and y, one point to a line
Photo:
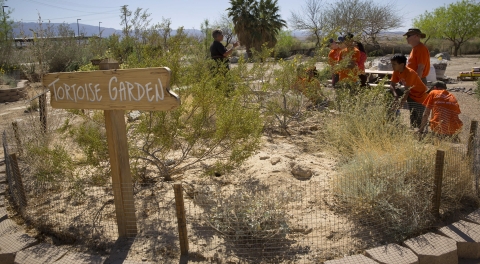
131	89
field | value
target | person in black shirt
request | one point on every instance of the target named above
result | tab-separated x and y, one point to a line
219	52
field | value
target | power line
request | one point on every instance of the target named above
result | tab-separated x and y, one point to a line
58	18
76	10
81	5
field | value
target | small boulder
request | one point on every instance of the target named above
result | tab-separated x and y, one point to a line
301	172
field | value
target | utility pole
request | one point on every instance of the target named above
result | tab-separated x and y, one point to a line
78	30
99	32
5	22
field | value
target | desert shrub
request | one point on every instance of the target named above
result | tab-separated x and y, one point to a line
284	104
208	124
362	124
49	163
386	175
7	80
89	134
246	214
285	42
86	130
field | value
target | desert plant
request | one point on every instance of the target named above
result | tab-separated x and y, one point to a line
49	163
386	175
7	80
247	214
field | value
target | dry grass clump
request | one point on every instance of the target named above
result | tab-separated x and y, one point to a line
247	215
386	177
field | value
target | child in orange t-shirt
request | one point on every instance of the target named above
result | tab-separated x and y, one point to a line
309	85
415	89
445	111
349	59
333	58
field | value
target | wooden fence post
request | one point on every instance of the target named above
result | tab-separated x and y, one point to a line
121	178
437	191
42	103
18	182
17	137
116	131
471	137
181	219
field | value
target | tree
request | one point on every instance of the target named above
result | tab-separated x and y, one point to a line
378	18
427	23
312	19
226	25
458	22
256	22
125	13
5	36
346	16
363	17
207	35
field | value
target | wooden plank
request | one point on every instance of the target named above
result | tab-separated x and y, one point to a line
121	178
131	89
181	219
378	72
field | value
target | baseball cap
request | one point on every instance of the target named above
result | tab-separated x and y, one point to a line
415	31
438	84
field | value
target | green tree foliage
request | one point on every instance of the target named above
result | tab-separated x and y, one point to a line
458	22
256	22
284	44
5	37
428	24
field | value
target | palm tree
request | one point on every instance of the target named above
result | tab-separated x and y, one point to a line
256	22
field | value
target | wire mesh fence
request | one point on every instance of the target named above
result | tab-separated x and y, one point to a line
304	221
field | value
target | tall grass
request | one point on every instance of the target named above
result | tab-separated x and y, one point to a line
386	175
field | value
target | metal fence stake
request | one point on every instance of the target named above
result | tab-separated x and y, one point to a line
42	102
22	203
181	219
471	137
437	191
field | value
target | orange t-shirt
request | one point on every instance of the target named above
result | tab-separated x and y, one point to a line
419	55
333	56
445	111
352	56
409	78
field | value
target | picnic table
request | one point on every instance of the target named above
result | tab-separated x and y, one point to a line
376	74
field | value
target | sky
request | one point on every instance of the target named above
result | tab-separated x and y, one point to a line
187	13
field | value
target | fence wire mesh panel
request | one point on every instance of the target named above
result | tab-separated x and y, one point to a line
301	220
305	222
12	169
157	239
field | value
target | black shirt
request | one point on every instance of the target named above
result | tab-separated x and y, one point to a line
217	50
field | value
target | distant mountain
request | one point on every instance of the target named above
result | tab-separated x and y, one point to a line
24	29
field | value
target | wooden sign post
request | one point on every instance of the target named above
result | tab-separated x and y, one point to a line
115	91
